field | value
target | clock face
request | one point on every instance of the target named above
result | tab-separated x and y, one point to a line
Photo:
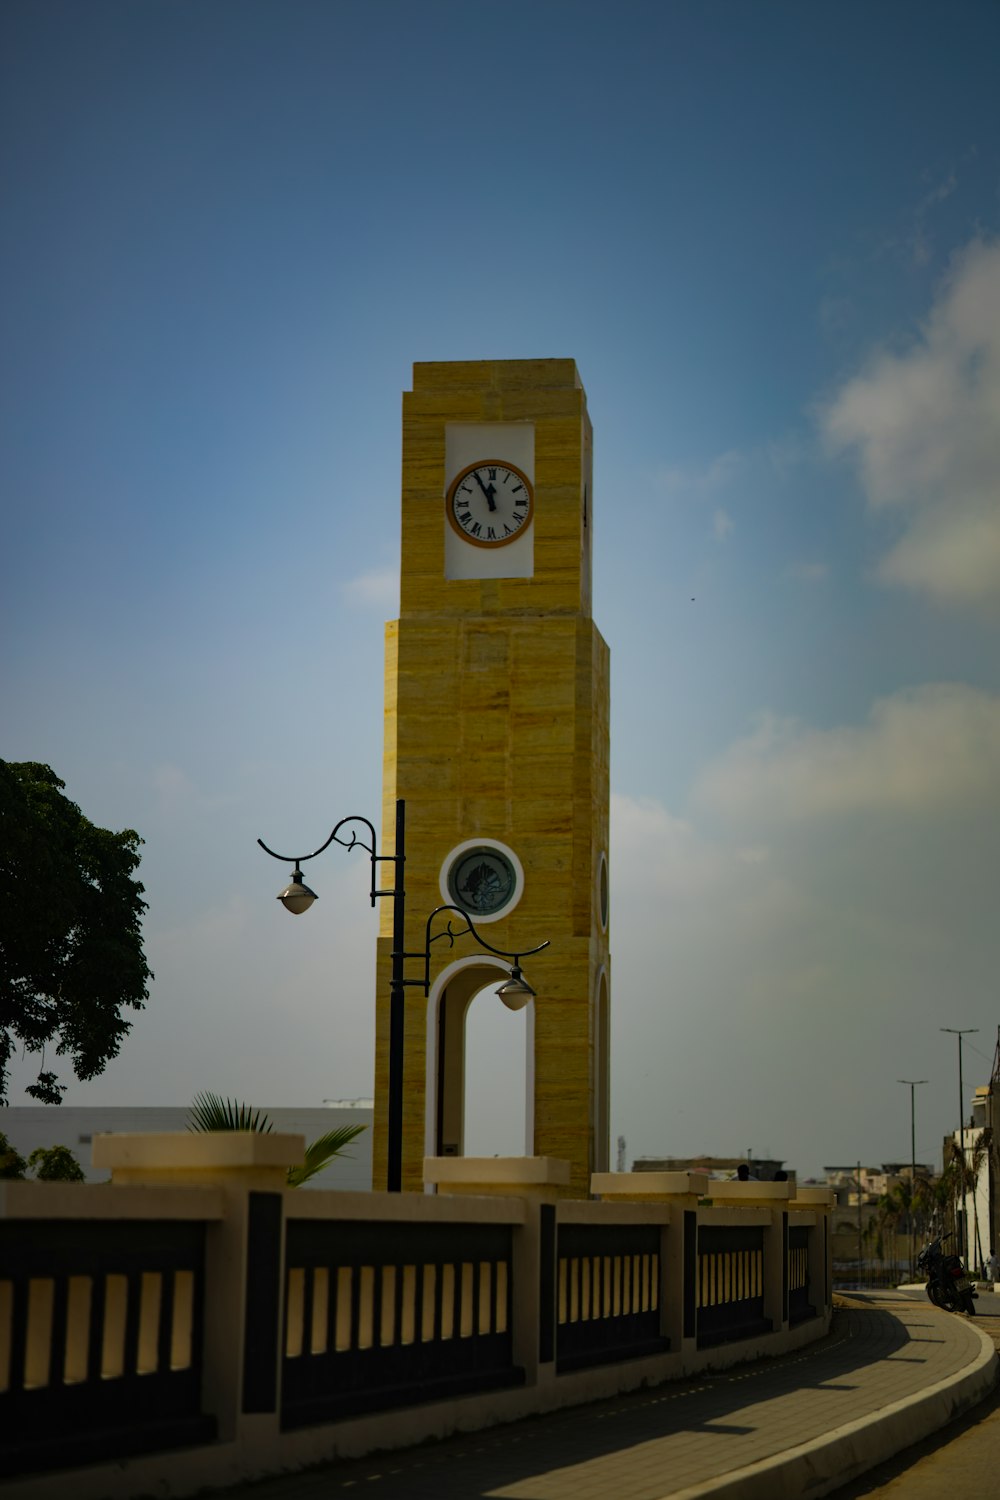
482	881
490	503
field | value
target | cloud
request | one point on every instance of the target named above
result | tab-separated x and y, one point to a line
808	572
924	427
748	959
919	244
677	860
379	588
737	472
913	244
926	749
706	480
938	194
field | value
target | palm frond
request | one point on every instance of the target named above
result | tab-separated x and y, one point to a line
322	1151
211	1112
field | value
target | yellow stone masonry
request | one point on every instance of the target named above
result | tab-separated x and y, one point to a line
497	727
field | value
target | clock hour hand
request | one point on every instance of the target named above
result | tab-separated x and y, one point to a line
487	490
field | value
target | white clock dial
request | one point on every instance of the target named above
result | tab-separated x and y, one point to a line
490	503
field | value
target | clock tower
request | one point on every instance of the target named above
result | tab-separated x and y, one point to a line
497	737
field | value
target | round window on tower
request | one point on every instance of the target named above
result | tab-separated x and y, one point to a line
484	878
603	892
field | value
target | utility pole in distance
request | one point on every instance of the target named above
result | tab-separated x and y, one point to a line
860	1221
912	1084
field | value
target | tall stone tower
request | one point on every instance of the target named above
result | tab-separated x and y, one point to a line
497	736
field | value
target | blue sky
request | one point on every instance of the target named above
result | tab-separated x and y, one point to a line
769	234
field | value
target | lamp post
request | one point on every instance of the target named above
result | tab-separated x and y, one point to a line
960	1032
912	1083
297	898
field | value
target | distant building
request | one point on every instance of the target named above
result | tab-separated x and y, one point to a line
978	1208
853	1223
28	1126
874	1181
762	1168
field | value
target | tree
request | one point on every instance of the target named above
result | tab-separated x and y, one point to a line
942	1199
12	1163
55	1164
71	956
883	1226
320	1152
211	1112
923	1204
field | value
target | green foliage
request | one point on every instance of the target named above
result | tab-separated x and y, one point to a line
211	1112
71	956
55	1164
323	1151
12	1163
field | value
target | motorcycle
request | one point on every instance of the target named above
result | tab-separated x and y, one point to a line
948	1282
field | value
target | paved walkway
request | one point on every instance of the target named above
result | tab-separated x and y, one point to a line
891	1371
960	1459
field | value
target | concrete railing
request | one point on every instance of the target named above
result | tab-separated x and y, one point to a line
196	1323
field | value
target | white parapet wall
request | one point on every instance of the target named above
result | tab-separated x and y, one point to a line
278	1328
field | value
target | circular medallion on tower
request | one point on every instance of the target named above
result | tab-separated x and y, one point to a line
490	503
484	878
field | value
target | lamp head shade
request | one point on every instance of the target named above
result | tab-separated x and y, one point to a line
297	897
515	992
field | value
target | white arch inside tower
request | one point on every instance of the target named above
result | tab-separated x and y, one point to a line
451	994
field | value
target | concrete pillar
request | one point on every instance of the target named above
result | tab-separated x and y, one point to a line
820	1203
682	1191
539	1181
244	1259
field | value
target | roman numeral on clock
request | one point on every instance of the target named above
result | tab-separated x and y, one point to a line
489	504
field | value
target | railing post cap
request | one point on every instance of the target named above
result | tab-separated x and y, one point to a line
649	1185
514	1176
197	1154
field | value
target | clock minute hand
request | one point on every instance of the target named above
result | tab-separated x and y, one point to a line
488	491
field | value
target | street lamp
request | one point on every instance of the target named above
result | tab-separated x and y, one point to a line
297	898
912	1083
960	1032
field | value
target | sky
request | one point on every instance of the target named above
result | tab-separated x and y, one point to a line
769	235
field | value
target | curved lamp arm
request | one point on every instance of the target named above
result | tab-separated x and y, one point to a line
451	934
354	842
298	898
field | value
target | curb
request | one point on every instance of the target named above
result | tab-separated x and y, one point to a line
834	1459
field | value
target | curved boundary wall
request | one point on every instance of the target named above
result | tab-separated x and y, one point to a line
196	1323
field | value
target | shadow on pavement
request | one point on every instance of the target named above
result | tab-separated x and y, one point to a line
883	1474
974	1422
472	1466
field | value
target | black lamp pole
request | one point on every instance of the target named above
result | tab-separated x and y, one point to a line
912	1082
397	1009
297	898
